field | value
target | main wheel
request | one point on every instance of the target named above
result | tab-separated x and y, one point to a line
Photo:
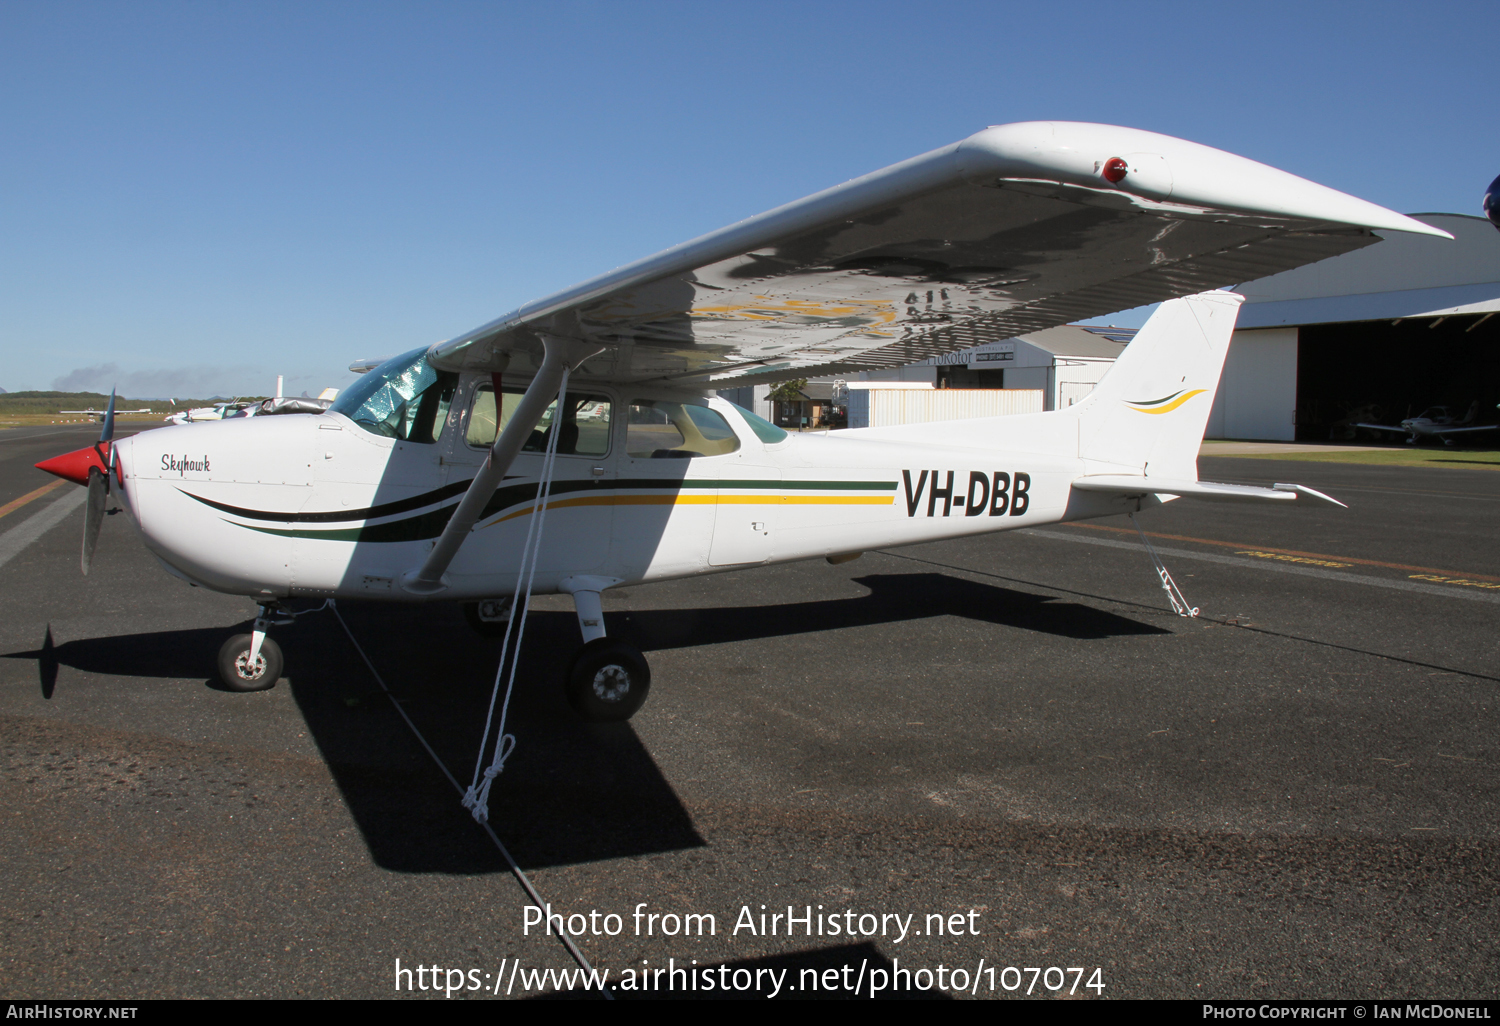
238	674
489	618
608	682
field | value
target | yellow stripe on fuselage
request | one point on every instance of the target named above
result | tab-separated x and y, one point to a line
705	500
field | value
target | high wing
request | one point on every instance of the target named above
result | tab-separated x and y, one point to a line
1017	228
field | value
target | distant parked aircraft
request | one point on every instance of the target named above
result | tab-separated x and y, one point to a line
1436	422
220	411
99	414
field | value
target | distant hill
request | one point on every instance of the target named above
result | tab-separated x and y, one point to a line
53	402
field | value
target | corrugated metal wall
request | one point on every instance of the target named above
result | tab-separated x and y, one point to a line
891	407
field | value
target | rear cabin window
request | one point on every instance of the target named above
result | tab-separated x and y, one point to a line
583	429
764	429
665	430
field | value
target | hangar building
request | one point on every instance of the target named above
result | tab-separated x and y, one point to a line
1376	335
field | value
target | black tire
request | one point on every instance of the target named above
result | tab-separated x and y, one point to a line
609	681
484	628
235	672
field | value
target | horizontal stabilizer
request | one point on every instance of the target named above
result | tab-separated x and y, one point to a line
1130	484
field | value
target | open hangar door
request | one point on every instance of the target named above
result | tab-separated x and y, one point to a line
1383	371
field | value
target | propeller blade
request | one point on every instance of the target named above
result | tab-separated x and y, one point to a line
108	431
93	517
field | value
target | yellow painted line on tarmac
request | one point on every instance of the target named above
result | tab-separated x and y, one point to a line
15	504
1462	582
1293	552
1259	554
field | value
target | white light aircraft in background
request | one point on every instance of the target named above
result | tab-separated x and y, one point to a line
99	415
218	411
1436	422
595	409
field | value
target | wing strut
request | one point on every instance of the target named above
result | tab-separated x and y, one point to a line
560	354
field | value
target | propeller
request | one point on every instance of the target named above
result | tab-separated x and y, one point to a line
93	517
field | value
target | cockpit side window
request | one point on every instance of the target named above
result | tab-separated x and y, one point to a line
403	398
657	429
582	431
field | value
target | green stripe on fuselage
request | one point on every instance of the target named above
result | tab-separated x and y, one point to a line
430	524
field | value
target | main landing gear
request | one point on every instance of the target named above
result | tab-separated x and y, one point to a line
253	662
488	617
609	680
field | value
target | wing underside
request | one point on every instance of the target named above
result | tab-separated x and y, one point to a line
1011	231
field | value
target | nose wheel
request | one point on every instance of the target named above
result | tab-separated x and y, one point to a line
253	662
240	670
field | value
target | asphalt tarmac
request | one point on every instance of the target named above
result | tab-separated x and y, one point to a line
1012	740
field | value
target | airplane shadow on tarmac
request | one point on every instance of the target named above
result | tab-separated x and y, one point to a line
893	598
572	792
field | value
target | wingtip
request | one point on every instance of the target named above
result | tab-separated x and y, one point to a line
1417	227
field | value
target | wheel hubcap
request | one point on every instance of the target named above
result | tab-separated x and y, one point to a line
612	683
243	669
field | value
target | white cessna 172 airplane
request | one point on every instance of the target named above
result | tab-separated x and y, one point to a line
593	410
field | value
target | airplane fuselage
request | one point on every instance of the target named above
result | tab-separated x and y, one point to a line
317	506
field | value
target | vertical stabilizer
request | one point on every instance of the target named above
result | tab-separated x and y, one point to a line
1151	409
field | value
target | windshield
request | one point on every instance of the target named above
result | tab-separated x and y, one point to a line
402	398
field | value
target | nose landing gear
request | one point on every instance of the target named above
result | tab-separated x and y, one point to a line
243	667
253	662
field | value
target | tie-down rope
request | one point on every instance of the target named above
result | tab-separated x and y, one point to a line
477	798
1174	594
515	868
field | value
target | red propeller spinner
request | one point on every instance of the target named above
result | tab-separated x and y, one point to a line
74	466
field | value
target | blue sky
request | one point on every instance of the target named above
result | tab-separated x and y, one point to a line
196	197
